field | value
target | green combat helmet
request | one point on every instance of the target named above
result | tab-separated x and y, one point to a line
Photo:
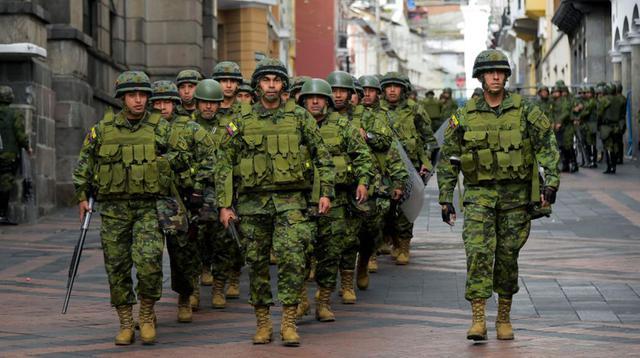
490	60
270	66
227	69
130	81
188	76
316	86
370	82
541	88
357	86
393	78
340	79
164	90
447	90
297	83
6	95
209	90
245	87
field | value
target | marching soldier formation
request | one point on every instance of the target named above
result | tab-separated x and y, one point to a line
313	170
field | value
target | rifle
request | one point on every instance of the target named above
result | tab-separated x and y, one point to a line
580	145
233	231
77	252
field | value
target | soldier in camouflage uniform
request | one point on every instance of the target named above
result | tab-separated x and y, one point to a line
563	126
128	161
358	92
542	101
264	167
187	80
621	101
296	86
227	258
498	142
609	109
433	107
353	170
183	246
390	176
12	139
245	92
449	106
589	120
412	127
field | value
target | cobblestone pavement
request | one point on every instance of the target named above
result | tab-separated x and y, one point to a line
580	286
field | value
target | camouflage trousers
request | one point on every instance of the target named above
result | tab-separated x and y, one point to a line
8	167
207	231
335	246
130	235
184	260
397	225
226	255
371	231
289	233
492	241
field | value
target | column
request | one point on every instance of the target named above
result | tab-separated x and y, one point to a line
616	60
634	40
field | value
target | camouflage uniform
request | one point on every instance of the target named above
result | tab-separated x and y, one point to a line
12	139
128	179
187	76
449	106
609	109
561	116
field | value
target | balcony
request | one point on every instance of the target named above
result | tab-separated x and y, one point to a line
535	9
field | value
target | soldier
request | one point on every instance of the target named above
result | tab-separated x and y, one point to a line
128	161
585	111
621	101
183	246
264	169
12	139
433	107
187	80
390	176
563	126
498	188
449	106
543	101
609	125
245	92
412	127
352	161
358	92
228	258
296	86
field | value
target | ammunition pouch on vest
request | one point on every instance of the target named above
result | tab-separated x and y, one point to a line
330	132
127	162
402	123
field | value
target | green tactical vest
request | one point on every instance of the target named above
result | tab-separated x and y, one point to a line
233	114
402	122
495	148
180	130
127	162
275	159
330	133
7	135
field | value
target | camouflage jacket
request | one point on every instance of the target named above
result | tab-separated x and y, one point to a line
449	107
502	194
561	111
12	133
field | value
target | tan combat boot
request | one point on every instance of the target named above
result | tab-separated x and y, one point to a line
194	299
217	294
384	248
395	248
264	330
288	329
504	331
147	321
185	313
206	278
303	306
478	330
362	274
233	289
346	282
373	263
323	305
126	333
403	251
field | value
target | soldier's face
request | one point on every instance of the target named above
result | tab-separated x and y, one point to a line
588	95
341	97
165	106
556	94
229	87
543	94
208	109
271	86
494	81
244	97
370	96
355	99
136	102
186	91
393	92
315	104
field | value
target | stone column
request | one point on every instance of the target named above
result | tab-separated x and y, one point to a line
634	40
616	60
625	51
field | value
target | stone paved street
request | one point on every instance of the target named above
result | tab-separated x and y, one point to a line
580	292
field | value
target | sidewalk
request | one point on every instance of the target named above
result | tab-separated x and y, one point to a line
580	286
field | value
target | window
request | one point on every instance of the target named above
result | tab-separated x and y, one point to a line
90	17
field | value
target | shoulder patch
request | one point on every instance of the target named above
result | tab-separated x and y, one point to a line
232	129
453	122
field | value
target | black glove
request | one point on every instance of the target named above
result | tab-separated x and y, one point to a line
549	194
196	200
447	211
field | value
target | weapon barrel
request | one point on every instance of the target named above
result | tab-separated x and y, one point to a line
77	253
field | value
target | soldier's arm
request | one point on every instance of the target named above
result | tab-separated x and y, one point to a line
174	148
21	136
223	168
452	147
378	131
359	153
320	154
395	166
83	172
423	125
544	144
203	157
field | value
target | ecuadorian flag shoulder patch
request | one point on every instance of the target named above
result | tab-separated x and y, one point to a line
231	129
453	122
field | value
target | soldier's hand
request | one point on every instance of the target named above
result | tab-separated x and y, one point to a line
448	213
548	196
84	208
363	133
361	194
424	171
226	215
397	194
324	205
